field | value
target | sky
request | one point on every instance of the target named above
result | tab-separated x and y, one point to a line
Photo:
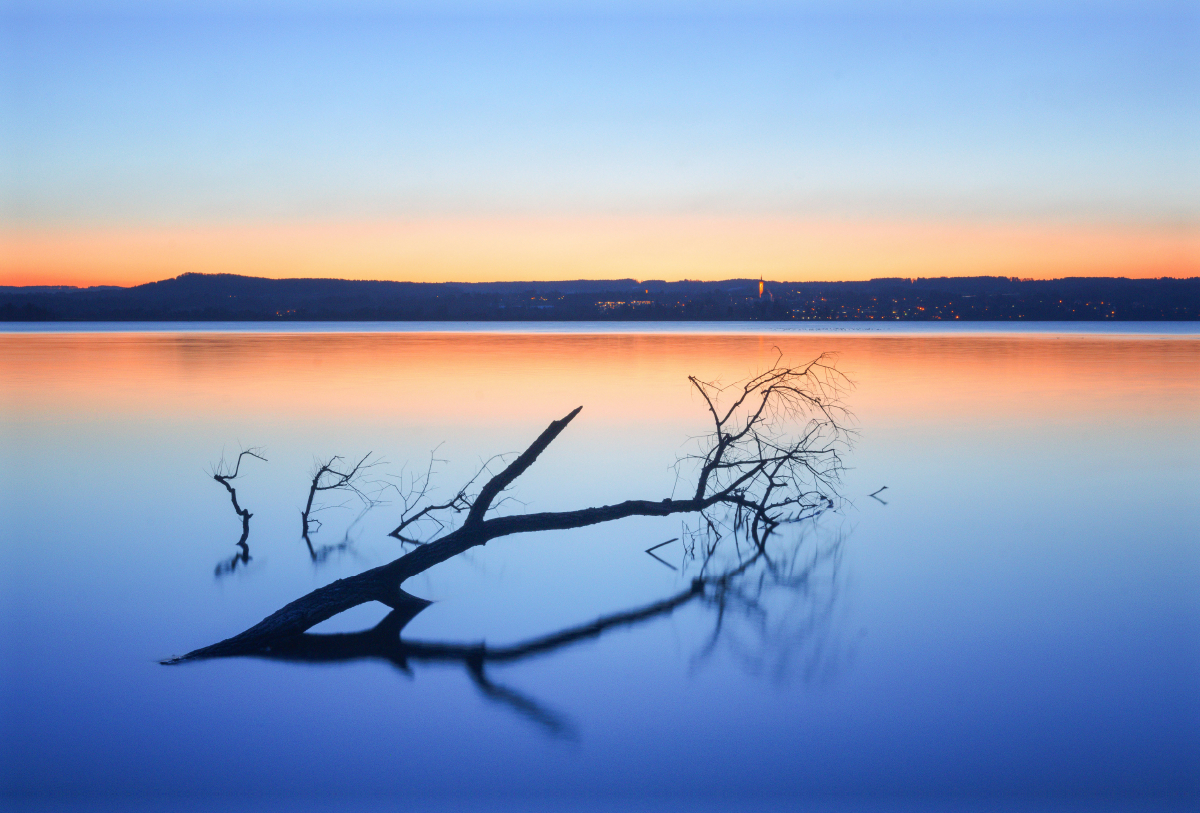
658	140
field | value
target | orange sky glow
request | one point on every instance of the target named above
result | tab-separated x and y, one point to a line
555	248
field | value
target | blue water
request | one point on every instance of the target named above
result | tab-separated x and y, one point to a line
1014	623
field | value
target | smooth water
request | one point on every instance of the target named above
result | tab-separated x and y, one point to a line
1014	621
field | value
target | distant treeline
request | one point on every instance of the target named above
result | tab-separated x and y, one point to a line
227	297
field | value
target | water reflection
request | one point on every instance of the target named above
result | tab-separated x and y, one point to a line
770	467
320	554
1016	632
771	606
329	475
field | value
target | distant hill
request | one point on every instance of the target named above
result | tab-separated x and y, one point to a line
228	297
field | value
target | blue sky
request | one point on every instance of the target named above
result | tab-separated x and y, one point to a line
185	112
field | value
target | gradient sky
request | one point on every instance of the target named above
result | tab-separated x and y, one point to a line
537	140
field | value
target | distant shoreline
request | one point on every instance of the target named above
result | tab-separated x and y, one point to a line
231	298
1186	330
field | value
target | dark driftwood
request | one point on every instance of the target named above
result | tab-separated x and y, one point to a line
751	469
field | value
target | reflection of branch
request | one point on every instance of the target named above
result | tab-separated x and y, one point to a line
383	642
743	591
223	475
242	557
650	550
549	643
555	724
767	621
319	554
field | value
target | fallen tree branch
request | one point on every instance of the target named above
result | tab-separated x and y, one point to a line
759	468
738	596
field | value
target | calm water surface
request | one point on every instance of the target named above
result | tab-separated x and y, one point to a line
1014	621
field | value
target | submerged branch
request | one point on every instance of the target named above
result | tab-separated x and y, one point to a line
328	476
757	468
223	475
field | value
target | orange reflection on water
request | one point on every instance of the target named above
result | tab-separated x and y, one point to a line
481	379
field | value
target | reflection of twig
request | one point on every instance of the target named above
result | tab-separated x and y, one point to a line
785	613
322	553
875	495
242	557
554	723
653	548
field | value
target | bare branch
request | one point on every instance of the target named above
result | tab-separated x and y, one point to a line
420	487
332	475
224	475
775	456
221	472
515	469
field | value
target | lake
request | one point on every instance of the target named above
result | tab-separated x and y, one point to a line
1012	623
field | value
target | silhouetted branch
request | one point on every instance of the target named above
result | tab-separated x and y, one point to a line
417	490
775	451
515	469
331	475
650	550
224	475
774	457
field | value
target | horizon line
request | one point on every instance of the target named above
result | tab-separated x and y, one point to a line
577	280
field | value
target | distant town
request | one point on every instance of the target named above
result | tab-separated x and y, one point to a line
226	297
